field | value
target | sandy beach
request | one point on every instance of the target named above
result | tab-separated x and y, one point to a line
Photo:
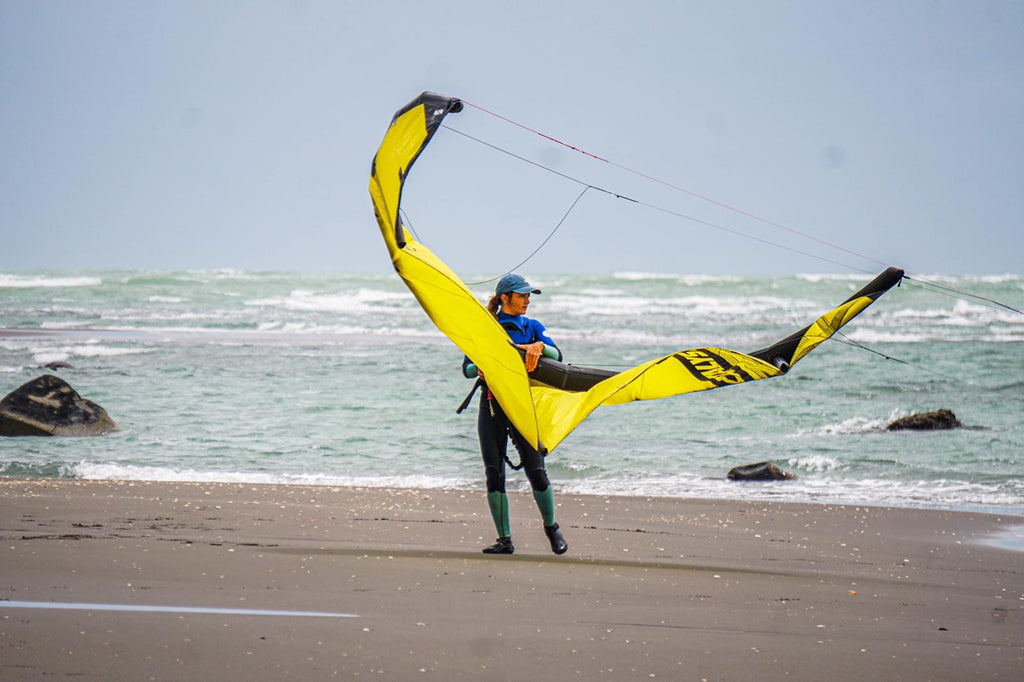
193	581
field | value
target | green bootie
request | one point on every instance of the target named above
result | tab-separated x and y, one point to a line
498	503
545	500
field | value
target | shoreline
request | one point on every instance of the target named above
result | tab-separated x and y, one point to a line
1016	512
98	573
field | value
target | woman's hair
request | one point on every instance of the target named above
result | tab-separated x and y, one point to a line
494	305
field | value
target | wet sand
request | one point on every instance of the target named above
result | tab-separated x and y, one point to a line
311	583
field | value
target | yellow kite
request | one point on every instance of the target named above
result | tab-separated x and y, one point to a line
547	405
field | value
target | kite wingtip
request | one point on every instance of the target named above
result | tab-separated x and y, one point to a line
452	105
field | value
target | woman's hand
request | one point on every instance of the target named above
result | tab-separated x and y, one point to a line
533	353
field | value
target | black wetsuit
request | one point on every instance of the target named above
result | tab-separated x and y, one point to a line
493	426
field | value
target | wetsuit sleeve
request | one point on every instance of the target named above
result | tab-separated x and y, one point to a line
539	333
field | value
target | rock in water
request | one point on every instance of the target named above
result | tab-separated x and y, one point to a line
762	471
927	421
48	406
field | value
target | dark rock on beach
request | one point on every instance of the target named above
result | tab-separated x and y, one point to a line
48	406
762	471
927	421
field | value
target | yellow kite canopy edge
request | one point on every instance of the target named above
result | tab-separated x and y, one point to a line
544	407
411	129
688	371
447	301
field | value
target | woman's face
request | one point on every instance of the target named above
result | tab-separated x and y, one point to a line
515	304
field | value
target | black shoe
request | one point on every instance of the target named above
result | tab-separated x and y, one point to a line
502	546
558	543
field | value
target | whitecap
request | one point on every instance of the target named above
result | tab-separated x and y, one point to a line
854	425
813	278
9	281
132	472
815	463
643	276
361	301
685	279
65	353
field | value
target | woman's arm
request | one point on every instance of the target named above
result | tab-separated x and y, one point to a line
539	333
533	353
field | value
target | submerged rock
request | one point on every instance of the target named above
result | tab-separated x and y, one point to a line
927	421
48	406
762	471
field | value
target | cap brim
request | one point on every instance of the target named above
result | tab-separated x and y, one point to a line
526	290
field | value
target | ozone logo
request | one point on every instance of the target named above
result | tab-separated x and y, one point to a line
711	367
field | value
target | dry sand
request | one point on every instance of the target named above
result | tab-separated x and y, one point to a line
651	588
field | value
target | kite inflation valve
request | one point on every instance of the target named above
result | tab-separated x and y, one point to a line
781	364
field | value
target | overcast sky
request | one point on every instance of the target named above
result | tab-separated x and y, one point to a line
236	134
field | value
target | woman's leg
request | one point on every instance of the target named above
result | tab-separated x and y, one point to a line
493	432
543	493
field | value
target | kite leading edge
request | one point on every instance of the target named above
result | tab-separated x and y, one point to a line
548	405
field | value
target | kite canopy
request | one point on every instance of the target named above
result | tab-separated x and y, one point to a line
542	413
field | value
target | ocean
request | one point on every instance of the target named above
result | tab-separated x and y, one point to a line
340	379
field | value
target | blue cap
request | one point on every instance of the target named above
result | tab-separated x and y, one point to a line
513	282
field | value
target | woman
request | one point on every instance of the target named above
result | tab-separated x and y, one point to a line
509	303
